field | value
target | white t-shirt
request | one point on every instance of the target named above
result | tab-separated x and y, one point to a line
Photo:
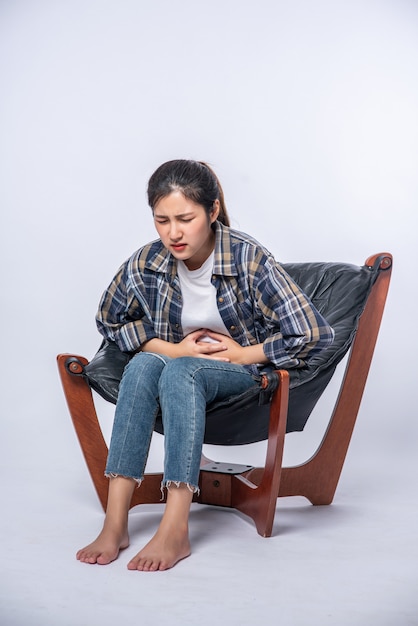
199	299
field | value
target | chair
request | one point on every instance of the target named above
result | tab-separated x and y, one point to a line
352	298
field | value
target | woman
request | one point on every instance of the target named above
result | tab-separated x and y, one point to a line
205	308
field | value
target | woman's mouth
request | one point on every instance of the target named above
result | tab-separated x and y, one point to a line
178	247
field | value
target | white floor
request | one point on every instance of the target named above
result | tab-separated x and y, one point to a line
307	111
354	562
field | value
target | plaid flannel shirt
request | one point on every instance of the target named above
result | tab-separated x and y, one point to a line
256	298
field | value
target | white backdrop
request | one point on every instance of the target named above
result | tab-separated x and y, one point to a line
306	110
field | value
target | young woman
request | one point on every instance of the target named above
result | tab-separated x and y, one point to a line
204	308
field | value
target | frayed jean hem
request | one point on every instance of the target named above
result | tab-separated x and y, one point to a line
113	475
166	484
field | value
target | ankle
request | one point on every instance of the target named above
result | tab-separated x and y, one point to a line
115	526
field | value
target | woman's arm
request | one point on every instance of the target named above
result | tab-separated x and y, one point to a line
121	317
296	329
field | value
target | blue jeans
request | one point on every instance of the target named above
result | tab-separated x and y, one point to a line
182	388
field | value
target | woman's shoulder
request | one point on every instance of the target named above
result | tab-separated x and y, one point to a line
150	255
243	243
147	251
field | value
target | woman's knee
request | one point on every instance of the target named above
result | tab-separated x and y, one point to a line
145	367
180	373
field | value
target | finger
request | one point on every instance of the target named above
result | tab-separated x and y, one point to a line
214	335
216	347
194	336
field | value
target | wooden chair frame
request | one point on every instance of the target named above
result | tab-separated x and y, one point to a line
253	491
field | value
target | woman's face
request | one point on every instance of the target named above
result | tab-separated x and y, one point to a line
185	228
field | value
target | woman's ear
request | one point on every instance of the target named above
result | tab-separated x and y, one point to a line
215	211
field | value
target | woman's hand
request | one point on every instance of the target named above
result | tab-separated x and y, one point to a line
221	348
195	345
192	345
235	353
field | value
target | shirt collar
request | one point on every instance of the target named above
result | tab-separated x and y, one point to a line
160	260
224	263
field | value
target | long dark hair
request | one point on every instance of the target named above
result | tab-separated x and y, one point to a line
194	179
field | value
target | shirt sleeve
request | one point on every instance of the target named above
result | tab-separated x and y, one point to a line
121	317
296	331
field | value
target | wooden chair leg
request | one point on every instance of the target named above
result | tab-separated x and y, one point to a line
260	501
257	499
317	478
87	426
83	414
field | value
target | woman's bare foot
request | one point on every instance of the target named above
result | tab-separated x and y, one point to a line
167	547
105	548
170	543
114	536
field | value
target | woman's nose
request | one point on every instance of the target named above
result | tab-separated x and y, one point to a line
175	232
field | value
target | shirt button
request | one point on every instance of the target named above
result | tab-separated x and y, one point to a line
232	328
220	299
